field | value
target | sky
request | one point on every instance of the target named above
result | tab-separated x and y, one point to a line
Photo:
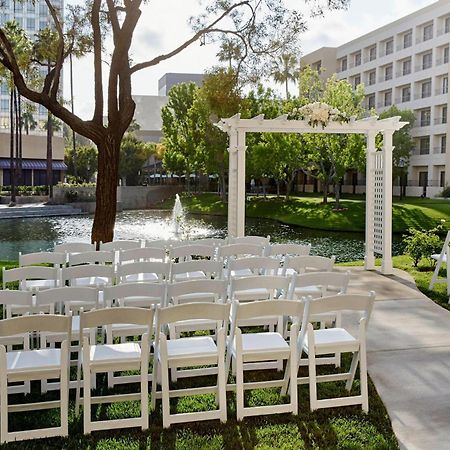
164	25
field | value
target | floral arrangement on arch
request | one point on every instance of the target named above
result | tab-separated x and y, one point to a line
318	113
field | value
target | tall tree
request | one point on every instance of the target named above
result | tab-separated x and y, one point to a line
286	69
264	28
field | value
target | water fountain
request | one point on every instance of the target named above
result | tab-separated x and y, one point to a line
178	217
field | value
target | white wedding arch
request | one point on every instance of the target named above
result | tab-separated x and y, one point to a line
378	239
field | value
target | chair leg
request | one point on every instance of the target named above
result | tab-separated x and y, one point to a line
165	393
4	408
86	397
239	387
363	376
64	388
293	374
144	394
221	374
352	371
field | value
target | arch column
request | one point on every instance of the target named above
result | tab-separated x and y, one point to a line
369	260
236	184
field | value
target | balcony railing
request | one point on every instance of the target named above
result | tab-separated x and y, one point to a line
405	99
440	120
439	150
420	151
422	95
425	123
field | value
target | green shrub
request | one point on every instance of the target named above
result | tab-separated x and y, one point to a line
71	195
446	192
422	244
40	190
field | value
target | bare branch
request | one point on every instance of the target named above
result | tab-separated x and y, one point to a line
98	83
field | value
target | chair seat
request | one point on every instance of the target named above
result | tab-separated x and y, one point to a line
113	352
331	337
137	277
196	275
252	294
263	343
32	360
191	346
40	284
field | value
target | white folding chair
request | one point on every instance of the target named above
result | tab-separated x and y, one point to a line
332	340
139	295
93	257
263	348
226	252
142	254
213	242
442	258
57	259
32	277
192	351
254	265
201	269
163	243
90	275
74	247
71	300
34	364
303	264
280	251
101	358
146	271
256	240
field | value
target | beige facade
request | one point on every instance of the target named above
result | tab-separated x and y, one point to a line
33	146
405	63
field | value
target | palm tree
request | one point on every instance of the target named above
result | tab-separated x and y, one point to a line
285	69
28	120
230	51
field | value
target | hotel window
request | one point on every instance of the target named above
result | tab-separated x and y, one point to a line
18	7
423	179
426	89
389	47
4	104
372	77
358	59
406	94
428	32
444	144
388	98
442	179
446	52
43	10
371	101
447	25
424	148
445	85
31	24
444	114
30	7
407	39
356	81
425	117
406	67
427	60
4	90
388	72
373	53
343	64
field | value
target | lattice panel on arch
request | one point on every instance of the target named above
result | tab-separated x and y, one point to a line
378	178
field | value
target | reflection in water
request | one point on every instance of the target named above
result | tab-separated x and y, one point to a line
41	234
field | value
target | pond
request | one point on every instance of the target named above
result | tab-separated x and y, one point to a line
41	234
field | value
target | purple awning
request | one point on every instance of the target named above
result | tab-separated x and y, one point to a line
35	164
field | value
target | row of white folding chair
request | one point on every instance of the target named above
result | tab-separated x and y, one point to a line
202	350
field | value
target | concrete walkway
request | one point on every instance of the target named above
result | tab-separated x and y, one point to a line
409	358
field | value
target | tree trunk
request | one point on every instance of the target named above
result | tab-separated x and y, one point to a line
278	188
20	178
337	195
106	192
50	155
325	192
289	185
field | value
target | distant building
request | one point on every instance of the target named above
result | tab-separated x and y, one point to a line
404	63
167	81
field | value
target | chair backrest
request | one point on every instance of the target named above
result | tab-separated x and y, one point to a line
74	247
302	264
115	246
330	282
142	254
22	274
109	316
345	302
191	311
259	265
197	291
281	250
212	242
161	243
277	286
58	259
266	308
238	250
93	257
209	268
160	269
256	240
39	322
142	295
72	274
186	252
9	298
73	297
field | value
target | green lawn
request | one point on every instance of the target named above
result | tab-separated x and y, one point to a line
309	212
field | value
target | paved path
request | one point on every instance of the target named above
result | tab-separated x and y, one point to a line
409	359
